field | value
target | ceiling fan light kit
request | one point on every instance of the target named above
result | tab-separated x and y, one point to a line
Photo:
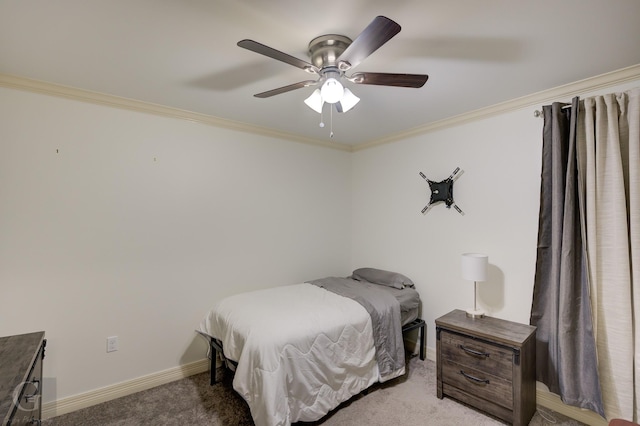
331	56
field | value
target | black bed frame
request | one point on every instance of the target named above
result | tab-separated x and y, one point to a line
216	346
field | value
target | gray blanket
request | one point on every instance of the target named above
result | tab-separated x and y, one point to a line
385	319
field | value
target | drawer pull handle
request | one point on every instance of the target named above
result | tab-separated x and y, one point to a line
36	384
474	352
475	379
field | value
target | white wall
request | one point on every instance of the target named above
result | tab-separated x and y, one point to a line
115	222
499	193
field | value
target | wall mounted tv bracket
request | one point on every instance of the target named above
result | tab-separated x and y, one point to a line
443	191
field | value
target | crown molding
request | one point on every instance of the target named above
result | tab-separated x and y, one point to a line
51	89
560	93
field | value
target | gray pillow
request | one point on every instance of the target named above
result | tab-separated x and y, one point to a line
378	276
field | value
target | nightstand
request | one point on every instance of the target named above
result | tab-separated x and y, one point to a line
489	364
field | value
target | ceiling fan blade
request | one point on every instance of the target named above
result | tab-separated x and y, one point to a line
260	48
286	89
388	79
377	33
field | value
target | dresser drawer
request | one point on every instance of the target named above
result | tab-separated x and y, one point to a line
21	373
476	354
479	383
30	397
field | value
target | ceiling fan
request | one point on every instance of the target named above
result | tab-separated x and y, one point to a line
331	56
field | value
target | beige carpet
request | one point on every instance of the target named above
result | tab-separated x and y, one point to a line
407	401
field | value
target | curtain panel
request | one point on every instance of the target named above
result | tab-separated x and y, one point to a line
565	346
586	300
608	146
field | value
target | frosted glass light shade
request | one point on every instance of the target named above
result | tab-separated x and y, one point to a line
332	91
349	100
315	101
474	266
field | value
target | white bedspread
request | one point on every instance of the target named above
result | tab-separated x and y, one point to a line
301	350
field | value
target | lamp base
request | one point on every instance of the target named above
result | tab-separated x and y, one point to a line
475	313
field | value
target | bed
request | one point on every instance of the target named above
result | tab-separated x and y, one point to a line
300	350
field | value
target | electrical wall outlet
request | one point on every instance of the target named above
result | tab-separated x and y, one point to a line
112	344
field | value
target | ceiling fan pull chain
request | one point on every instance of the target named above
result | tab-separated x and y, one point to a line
331	121
321	121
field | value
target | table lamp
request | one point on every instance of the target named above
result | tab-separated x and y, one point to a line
474	268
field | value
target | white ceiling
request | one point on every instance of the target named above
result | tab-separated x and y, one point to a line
183	54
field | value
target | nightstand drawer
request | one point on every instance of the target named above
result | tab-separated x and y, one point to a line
486	357
479	383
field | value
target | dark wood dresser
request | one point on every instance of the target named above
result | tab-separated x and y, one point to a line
21	378
487	363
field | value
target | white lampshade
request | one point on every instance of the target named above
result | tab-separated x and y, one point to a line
348	101
315	101
332	91
474	266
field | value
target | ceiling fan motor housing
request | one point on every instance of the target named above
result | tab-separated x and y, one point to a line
326	49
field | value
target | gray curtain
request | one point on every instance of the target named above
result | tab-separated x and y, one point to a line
561	310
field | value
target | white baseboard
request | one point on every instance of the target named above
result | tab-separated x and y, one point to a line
108	393
97	396
51	409
552	401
